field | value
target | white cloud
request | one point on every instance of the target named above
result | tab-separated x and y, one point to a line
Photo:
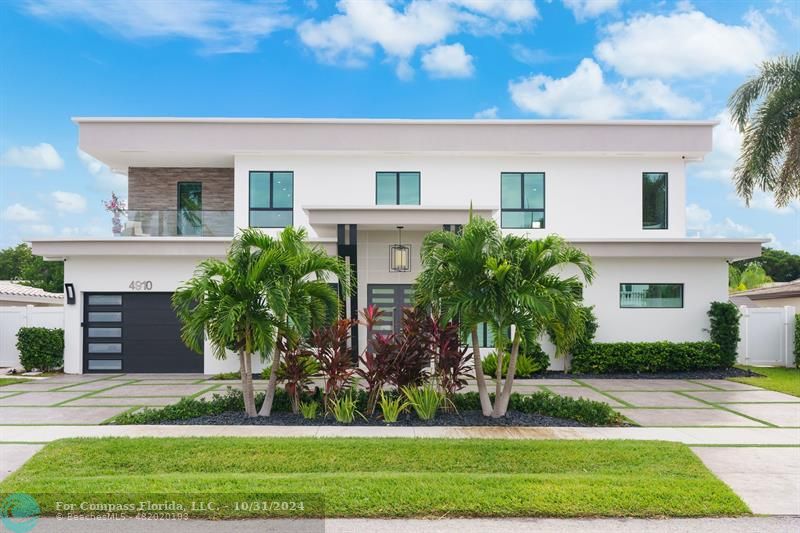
105	179
349	37
20	213
699	223
531	56
221	26
489	112
684	45
765	201
585	94
40	157
719	164
41	229
68	202
586	9
448	61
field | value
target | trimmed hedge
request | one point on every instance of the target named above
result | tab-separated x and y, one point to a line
648	357
587	412
41	348
724	318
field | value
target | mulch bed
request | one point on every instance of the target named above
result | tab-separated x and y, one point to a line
693	374
464	418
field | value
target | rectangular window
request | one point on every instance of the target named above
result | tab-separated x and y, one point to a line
96	347
105	332
485	336
190	208
102	316
397	188
522	200
271	199
651	295
105	364
105	299
654	200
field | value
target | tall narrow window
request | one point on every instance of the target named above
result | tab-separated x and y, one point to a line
654	200
190	208
522	200
271	199
397	188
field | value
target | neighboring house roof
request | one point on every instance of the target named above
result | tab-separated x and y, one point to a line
784	289
15	292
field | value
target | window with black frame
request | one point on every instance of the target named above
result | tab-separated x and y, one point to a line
271	199
651	295
654	200
522	200
397	188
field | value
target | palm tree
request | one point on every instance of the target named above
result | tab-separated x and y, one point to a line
227	301
509	282
299	294
770	158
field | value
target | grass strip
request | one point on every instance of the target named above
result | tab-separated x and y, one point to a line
387	477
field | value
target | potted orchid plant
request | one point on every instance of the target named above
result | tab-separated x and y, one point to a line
117	208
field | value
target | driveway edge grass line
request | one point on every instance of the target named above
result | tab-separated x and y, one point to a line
723	408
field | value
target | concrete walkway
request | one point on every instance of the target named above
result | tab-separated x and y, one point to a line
512	525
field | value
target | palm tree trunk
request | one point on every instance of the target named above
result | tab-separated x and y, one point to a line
266	408
247	383
483	392
502	399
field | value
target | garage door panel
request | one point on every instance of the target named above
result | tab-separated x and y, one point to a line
142	332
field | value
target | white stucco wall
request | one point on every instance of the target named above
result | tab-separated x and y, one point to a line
584	196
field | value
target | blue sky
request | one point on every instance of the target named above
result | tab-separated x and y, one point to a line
363	58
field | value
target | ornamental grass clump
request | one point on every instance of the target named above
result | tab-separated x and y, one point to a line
345	408
309	409
425	400
392	407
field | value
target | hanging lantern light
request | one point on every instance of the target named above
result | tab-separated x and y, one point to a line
400	254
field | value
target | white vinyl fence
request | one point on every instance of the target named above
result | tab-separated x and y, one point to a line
767	336
13	318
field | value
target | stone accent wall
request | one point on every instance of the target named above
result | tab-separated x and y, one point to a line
156	188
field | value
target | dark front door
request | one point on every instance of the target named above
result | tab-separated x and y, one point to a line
391	299
190	208
134	332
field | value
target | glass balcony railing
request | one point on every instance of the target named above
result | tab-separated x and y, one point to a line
177	223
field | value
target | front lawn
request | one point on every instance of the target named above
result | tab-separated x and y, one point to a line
385	477
778	379
12	381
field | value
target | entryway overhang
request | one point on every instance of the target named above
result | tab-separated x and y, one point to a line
388	217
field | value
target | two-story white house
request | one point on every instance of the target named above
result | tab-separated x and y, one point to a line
616	189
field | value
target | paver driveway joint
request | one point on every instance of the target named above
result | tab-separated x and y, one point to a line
723	408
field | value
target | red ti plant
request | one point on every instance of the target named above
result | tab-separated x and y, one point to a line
333	356
451	359
378	358
298	366
412	359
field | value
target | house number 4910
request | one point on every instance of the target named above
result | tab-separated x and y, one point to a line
141	285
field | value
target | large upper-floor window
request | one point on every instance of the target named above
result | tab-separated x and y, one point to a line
654	200
271	199
652	295
522	200
397	188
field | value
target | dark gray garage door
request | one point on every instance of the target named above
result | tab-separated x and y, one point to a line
134	332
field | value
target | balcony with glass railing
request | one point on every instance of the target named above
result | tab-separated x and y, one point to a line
176	223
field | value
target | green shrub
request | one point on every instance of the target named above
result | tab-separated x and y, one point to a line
647	357
724	330
797	341
425	400
41	348
391	407
529	363
345	408
546	403
309	409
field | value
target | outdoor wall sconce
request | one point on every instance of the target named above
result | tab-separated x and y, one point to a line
400	255
69	289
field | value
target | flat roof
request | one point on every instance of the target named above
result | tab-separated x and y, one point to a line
421	121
